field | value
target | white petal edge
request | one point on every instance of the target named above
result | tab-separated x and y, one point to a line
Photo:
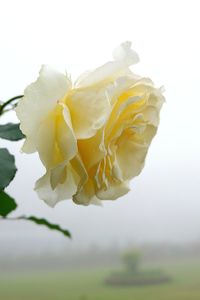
123	56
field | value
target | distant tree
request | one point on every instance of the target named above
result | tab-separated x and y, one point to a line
131	260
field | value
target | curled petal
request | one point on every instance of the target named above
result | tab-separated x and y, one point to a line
86	194
113	191
62	191
123	56
40	98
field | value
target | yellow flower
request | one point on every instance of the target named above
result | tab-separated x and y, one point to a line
93	136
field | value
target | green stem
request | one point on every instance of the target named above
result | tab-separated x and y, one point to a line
2	107
12	219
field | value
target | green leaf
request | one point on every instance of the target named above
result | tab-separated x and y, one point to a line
11	132
7	204
7	168
47	224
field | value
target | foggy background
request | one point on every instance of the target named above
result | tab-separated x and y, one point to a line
164	202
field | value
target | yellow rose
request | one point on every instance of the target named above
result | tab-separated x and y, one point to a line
93	136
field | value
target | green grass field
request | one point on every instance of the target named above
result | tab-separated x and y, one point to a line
88	285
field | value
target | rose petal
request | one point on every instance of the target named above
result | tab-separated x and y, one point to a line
113	191
132	150
39	99
62	191
55	140
89	109
124	57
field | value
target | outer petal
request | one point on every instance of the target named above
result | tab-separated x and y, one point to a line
134	142
56	145
39	99
62	191
113	191
131	158
124	57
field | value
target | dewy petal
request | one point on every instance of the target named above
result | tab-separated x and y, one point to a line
123	56
39	99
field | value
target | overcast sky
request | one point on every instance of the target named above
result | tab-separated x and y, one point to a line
164	202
